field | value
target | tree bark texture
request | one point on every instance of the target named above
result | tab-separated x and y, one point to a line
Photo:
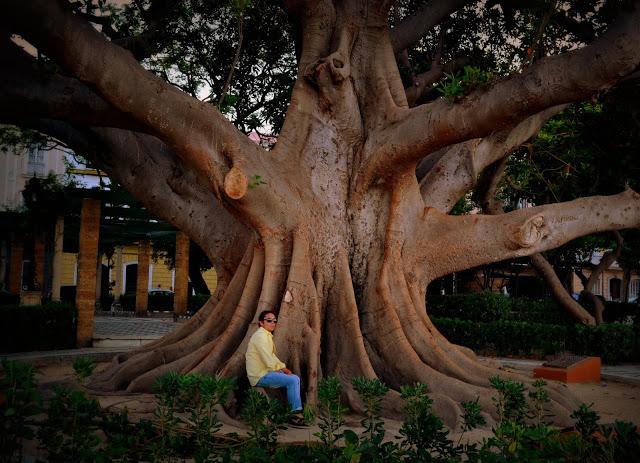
341	240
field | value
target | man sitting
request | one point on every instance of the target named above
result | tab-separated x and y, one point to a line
265	369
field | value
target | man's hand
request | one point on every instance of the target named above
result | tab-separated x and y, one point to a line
286	371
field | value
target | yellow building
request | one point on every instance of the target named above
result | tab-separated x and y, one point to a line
122	275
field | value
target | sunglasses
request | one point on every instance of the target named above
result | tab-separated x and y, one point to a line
271	320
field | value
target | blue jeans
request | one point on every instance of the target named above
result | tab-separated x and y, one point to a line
275	379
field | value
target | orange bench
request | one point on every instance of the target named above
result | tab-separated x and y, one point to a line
583	370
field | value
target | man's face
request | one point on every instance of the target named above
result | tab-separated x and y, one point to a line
269	322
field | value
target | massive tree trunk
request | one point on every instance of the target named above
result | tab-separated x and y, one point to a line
344	239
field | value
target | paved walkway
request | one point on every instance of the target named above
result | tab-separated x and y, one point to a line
113	335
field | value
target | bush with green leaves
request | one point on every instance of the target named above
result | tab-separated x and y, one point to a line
42	327
185	425
198	397
20	402
613	342
370	444
424	436
454	86
168	439
331	411
83	368
70	431
266	418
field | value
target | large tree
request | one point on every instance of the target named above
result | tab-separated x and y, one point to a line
341	226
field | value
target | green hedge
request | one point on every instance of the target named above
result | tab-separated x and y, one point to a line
42	327
487	307
613	342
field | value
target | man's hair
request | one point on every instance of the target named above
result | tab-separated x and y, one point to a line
264	314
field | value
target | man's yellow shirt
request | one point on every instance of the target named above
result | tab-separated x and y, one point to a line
261	356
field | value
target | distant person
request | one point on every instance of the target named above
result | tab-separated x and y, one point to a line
265	369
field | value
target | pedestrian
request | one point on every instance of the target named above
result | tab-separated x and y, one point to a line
265	369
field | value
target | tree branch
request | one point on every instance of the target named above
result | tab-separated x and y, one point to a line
486	196
473	240
551	81
559	293
195	130
412	28
170	191
457	171
26	89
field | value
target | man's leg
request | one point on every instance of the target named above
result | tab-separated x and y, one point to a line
275	379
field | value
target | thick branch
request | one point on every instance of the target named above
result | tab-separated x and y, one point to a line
456	172
554	80
26	89
196	130
486	197
412	28
558	291
473	240
171	191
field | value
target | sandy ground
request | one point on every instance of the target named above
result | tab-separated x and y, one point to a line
612	400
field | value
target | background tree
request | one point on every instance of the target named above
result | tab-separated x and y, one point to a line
590	148
340	236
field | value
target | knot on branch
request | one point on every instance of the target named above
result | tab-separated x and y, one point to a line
337	65
236	183
527	234
333	69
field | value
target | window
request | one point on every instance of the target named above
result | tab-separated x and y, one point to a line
597	288
35	164
634	289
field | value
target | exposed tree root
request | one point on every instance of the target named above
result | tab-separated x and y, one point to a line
387	336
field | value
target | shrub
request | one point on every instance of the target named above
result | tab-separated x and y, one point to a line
619	312
480	307
613	342
42	327
20	402
7	298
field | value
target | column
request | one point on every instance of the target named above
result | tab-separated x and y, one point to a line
181	284
87	258
15	265
57	259
142	281
118	272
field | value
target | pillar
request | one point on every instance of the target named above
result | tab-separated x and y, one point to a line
58	238
142	281
181	285
118	271
87	258
15	265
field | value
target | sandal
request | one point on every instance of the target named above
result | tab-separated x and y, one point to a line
297	420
